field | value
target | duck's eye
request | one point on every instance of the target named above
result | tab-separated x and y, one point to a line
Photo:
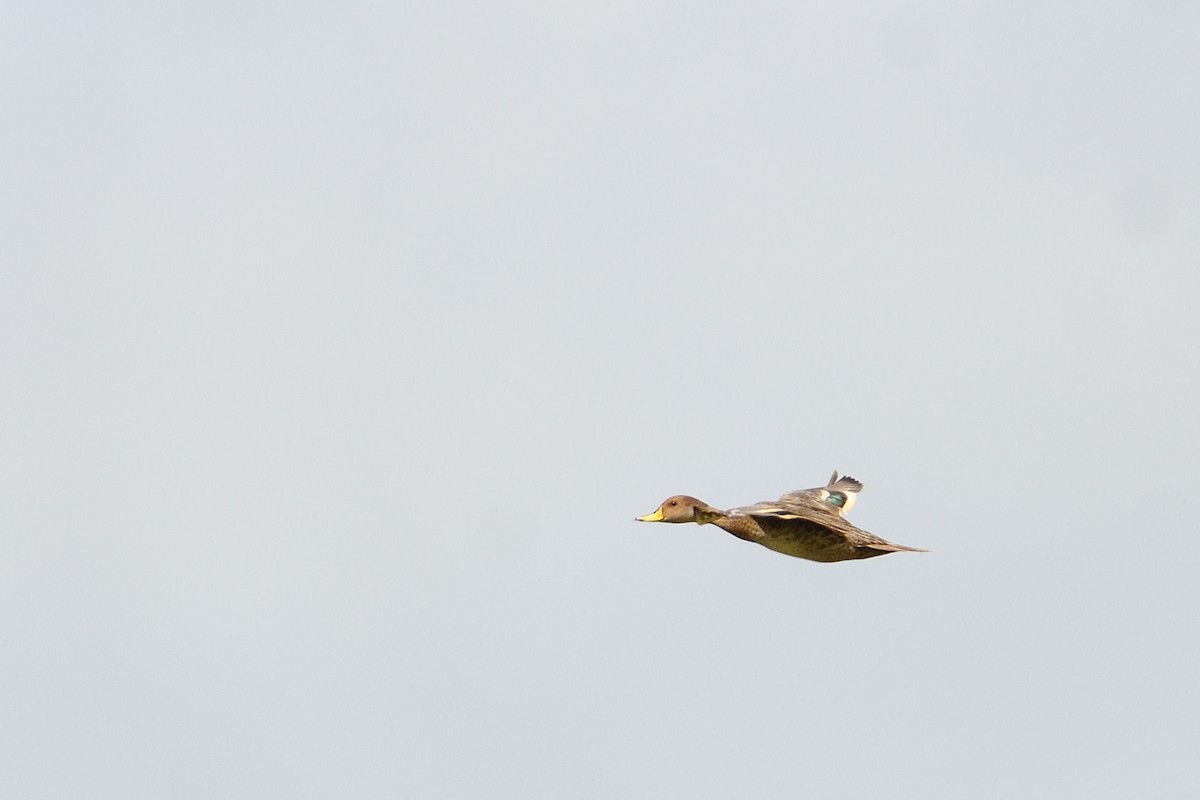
674	503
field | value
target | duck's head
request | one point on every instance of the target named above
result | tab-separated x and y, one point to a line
682	508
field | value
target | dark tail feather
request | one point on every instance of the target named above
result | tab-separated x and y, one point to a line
888	547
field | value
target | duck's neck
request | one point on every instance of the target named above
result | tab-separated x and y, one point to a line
741	527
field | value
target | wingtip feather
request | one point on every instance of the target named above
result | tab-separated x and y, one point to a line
844	483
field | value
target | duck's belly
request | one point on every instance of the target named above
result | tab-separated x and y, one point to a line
814	548
811	541
807	550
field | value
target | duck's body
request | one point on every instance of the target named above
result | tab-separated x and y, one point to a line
807	523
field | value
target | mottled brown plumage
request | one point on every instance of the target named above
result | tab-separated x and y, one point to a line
808	523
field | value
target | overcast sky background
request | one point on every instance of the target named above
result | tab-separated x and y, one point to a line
342	343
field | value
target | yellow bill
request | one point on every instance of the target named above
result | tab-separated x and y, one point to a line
655	517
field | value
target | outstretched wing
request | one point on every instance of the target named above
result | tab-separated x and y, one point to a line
838	495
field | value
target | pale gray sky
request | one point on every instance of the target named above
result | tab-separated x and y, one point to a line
342	343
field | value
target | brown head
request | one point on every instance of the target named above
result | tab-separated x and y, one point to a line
682	508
